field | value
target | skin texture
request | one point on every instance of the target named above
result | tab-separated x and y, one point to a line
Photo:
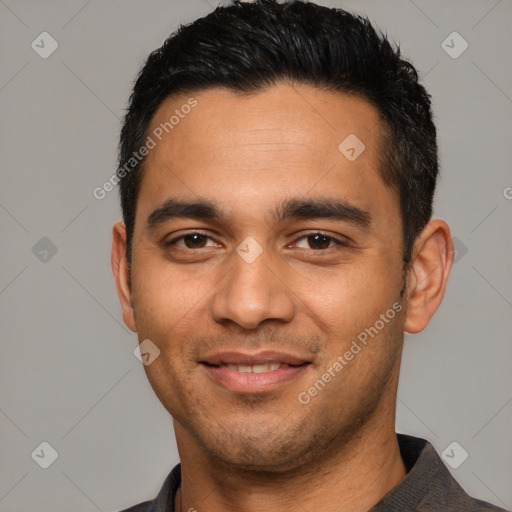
248	154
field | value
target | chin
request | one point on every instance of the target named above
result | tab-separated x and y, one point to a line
257	453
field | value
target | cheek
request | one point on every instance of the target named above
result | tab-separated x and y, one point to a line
169	382
163	296
347	297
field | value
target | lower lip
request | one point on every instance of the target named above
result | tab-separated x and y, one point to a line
253	382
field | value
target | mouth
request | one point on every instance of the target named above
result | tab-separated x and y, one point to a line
256	373
253	368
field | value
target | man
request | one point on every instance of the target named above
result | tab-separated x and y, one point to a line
278	164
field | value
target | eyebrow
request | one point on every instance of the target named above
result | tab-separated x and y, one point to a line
291	209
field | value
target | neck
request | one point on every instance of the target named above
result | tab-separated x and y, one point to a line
353	478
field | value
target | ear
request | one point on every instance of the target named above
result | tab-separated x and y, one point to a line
121	270
427	277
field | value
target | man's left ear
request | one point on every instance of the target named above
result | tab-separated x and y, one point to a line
432	260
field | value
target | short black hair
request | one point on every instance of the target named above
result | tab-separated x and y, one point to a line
246	47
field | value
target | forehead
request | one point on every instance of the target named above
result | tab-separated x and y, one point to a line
246	149
281	114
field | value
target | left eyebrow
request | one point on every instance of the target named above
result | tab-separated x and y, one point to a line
291	209
322	208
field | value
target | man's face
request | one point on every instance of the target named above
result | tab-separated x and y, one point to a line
213	298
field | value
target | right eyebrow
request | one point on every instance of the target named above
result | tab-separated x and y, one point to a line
174	208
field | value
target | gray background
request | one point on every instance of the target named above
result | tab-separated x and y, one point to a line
68	374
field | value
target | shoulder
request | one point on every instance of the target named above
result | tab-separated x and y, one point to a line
428	486
147	506
164	502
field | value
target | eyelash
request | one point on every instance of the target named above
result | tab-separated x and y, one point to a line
330	238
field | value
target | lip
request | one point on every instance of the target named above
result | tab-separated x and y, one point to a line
267	356
253	383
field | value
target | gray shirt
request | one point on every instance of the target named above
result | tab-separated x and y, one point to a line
427	487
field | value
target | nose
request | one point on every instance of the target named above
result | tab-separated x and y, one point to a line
251	293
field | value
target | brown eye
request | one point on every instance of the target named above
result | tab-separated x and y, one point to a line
190	241
319	241
195	241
